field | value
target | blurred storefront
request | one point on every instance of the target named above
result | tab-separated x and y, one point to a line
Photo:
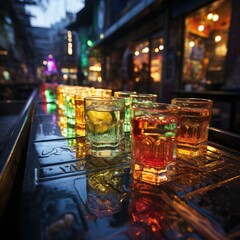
205	47
185	46
114	26
202	55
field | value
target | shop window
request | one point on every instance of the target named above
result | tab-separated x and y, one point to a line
205	46
141	67
94	69
157	48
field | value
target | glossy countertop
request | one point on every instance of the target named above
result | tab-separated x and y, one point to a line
68	194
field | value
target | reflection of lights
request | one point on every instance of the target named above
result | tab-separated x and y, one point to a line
215	17
70	45
210	16
136	53
3	53
145	50
69	36
64	70
89	43
101	36
156	50
161	47
44	62
191	44
50	65
218	38
95	68
200	28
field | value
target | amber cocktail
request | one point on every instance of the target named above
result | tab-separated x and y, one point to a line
194	119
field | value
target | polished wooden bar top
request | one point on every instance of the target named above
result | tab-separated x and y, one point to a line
68	194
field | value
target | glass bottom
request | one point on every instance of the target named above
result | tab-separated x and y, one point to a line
127	127
186	150
105	150
80	131
153	175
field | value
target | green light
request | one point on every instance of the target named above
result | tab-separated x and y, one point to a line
89	43
50	95
51	108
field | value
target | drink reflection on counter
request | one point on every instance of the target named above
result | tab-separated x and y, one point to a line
105	192
152	218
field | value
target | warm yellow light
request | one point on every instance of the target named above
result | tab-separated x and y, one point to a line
44	62
65	76
145	50
70	52
218	38
161	47
210	16
200	28
215	17
136	53
95	68
50	56
191	44
101	36
156	50
64	69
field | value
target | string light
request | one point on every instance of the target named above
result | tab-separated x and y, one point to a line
218	38
200	28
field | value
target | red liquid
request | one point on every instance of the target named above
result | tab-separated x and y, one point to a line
154	142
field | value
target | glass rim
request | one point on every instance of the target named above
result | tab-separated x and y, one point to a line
154	106
193	100
103	98
144	95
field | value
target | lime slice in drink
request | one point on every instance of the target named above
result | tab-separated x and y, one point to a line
101	120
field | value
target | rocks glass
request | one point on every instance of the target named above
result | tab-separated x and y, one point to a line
104	117
154	129
194	119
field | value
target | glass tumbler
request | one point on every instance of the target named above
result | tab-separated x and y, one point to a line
104	117
154	130
194	120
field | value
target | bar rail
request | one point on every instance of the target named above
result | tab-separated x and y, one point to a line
13	156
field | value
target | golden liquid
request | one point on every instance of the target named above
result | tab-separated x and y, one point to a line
193	131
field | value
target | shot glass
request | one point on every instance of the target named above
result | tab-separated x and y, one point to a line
194	120
154	129
104	117
126	96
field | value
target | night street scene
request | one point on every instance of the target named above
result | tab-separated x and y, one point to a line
120	119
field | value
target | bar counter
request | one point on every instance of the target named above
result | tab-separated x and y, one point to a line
68	194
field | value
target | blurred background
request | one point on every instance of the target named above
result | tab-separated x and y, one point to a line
168	47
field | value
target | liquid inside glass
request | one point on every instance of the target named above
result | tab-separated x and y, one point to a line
127	123
153	147
79	118
105	129
105	192
193	132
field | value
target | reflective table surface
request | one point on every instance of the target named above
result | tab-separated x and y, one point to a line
68	194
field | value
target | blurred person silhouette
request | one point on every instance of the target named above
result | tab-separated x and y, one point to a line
80	77
127	68
142	84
